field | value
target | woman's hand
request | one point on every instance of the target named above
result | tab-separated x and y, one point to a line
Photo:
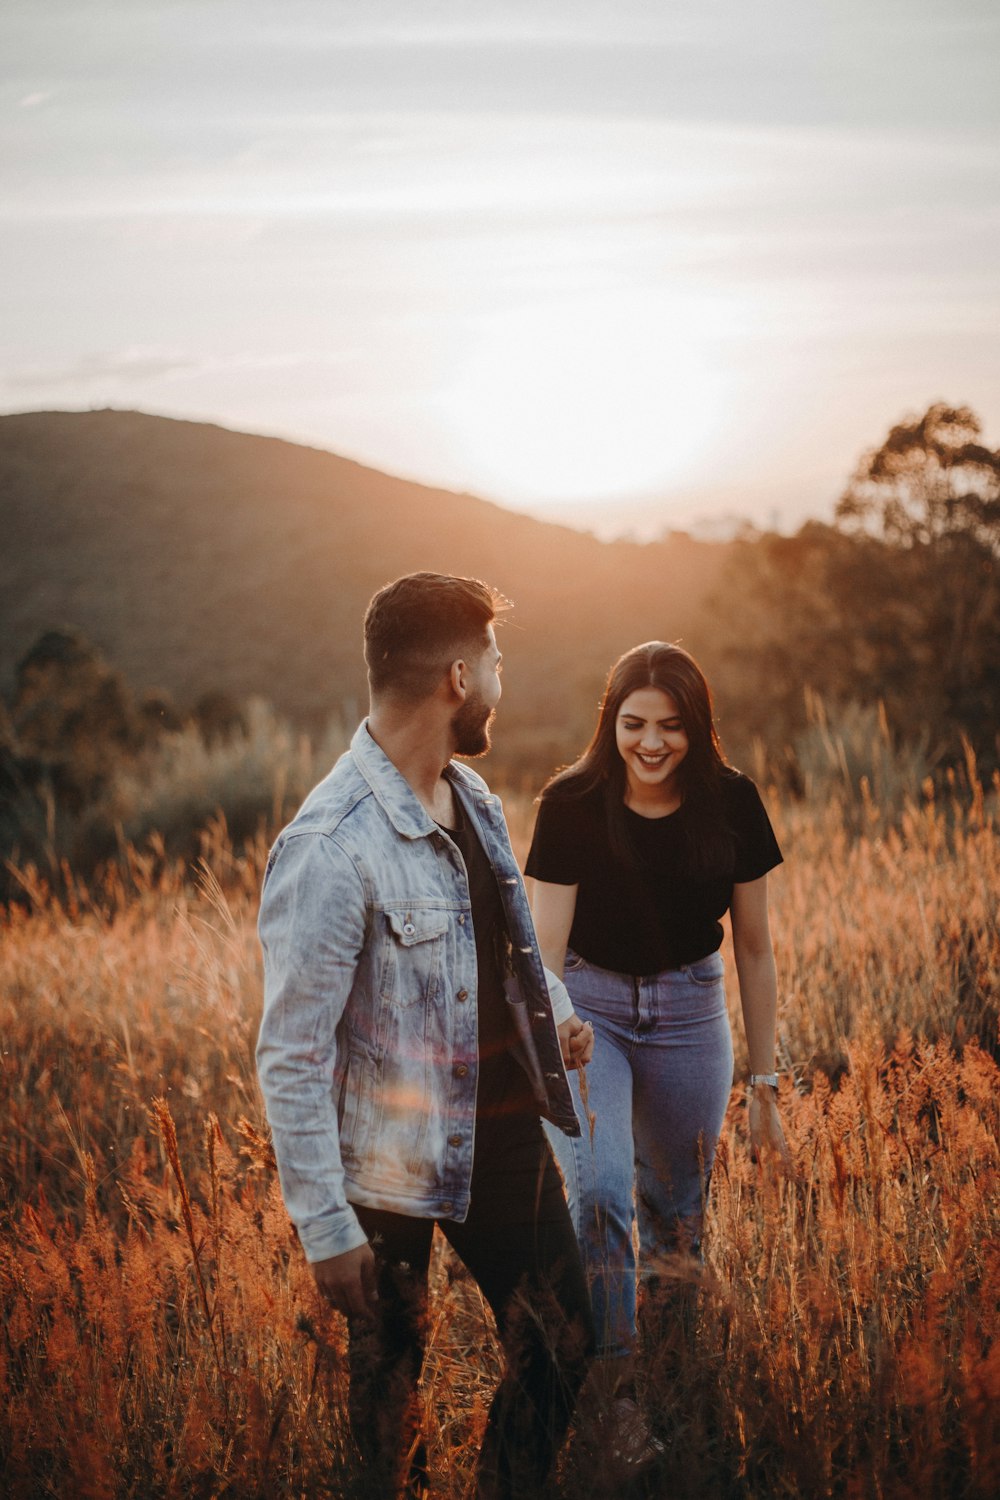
576	1038
766	1133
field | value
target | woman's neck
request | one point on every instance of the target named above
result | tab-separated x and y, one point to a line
653	801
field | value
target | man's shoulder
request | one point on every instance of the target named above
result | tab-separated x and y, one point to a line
467	777
332	802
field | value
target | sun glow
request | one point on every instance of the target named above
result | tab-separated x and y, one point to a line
576	401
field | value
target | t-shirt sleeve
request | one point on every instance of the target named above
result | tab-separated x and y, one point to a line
757	848
557	845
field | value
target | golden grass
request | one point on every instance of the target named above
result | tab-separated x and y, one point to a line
162	1336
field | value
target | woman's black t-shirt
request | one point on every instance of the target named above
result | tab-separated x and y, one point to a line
656	915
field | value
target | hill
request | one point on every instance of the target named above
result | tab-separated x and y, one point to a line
199	558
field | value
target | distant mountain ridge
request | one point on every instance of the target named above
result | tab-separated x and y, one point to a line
199	558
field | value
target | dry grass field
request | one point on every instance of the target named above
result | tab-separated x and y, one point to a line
161	1334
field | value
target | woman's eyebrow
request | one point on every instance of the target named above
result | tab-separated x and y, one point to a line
669	719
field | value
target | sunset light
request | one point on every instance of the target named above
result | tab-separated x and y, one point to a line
573	253
585	400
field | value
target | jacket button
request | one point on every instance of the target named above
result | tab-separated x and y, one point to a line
446	1208
461	920
462	995
409	929
460	1070
454	1140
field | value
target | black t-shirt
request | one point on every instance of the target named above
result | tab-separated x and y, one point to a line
502	1083
656	915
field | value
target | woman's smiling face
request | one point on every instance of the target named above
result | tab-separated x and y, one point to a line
651	739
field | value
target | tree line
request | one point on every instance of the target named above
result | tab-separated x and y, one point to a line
896	602
895	605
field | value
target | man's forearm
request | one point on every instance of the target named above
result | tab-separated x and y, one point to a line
312	923
304	1129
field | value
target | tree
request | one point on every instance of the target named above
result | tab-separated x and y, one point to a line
898	602
930	495
73	716
931	482
776	626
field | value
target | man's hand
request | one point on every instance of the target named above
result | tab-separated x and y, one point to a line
576	1039
348	1282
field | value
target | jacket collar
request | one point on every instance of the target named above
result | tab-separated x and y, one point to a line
393	792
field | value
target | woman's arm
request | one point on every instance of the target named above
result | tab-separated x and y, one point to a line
759	1001
757	975
552	908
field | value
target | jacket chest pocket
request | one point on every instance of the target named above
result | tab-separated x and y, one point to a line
416	946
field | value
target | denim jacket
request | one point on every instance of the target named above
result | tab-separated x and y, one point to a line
367	1053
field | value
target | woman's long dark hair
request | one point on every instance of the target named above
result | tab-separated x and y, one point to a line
711	848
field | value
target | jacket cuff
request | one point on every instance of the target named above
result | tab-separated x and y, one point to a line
334	1234
562	1005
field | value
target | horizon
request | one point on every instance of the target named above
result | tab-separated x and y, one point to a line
721	526
624	270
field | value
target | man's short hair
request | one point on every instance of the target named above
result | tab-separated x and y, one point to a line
416	627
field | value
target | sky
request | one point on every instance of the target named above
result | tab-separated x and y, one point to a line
629	264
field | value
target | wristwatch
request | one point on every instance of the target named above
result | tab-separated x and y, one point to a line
771	1079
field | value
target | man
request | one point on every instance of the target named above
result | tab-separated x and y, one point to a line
410	1039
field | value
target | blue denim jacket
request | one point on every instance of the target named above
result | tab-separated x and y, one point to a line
367	1053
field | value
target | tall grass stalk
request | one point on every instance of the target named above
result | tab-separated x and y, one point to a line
161	1331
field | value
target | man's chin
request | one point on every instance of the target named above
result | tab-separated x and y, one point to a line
475	743
472	749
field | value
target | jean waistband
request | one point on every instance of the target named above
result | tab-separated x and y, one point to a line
629	978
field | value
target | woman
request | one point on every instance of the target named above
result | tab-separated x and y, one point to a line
638	851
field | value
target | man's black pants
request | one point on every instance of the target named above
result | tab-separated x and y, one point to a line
519	1245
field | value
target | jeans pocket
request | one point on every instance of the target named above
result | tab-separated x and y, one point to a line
573	962
706	971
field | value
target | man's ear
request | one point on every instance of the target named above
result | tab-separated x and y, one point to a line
458	676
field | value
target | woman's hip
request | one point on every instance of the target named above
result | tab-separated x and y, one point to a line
691	996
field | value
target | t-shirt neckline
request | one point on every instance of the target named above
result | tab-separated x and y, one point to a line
459	826
659	818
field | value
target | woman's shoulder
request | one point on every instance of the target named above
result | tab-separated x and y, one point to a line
737	782
567	831
567	790
739	790
567	810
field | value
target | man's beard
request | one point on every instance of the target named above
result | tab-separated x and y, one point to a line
471	726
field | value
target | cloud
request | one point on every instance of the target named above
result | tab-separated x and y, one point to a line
127	368
182	178
193	62
131	365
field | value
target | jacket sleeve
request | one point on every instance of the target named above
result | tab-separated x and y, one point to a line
312	930
562	1005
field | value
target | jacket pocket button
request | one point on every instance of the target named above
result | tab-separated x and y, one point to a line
454	1140
462	995
461	920
409	929
460	1070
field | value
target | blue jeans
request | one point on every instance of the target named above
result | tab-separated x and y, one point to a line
657	1086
